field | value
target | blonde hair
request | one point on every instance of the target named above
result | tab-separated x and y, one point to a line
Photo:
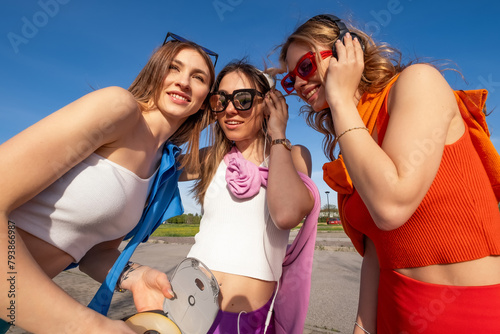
219	144
382	63
147	87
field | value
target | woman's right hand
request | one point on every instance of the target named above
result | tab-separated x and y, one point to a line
344	74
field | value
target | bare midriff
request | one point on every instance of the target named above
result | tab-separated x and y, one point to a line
480	272
242	293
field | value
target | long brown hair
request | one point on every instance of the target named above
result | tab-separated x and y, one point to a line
219	145
382	63
147	87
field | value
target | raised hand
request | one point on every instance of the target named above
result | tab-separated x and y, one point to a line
277	111
344	74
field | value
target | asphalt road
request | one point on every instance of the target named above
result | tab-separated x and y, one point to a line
334	289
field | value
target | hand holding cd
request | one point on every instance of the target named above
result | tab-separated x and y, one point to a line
191	311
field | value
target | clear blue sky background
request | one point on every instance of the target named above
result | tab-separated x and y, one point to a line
54	51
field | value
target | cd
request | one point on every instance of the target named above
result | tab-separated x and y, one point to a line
196	302
152	322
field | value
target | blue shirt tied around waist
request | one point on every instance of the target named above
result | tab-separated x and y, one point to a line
164	202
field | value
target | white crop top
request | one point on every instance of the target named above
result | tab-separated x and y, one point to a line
238	236
96	201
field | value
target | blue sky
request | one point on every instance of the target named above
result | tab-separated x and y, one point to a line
54	51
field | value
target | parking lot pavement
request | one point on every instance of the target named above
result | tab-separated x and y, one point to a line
334	286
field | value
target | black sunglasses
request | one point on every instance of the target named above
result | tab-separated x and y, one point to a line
183	40
242	99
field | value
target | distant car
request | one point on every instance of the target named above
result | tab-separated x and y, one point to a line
333	221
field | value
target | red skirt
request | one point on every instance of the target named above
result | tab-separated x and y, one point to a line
408	306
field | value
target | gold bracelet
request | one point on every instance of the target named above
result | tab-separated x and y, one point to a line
350	129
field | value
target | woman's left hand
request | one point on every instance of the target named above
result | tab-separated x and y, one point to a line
344	74
277	113
149	287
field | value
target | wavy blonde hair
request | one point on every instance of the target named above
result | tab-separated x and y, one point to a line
382	63
147	87
219	144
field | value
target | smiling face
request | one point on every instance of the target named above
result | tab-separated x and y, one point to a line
185	86
311	90
243	127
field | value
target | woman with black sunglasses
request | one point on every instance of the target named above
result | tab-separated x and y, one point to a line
414	194
76	183
254	187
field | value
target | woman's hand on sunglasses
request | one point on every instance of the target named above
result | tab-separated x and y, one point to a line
277	111
344	74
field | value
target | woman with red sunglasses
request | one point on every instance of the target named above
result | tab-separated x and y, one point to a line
414	195
76	183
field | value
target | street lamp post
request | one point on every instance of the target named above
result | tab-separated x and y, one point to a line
328	203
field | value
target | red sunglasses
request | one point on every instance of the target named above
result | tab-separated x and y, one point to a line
306	66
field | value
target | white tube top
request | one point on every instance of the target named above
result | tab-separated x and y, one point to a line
96	201
238	236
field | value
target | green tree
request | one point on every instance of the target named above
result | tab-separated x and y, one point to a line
333	209
185	219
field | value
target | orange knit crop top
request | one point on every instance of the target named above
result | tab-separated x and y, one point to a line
458	219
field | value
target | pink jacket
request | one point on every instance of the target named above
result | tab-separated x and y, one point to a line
290	310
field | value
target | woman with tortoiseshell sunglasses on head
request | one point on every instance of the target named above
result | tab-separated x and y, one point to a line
76	183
